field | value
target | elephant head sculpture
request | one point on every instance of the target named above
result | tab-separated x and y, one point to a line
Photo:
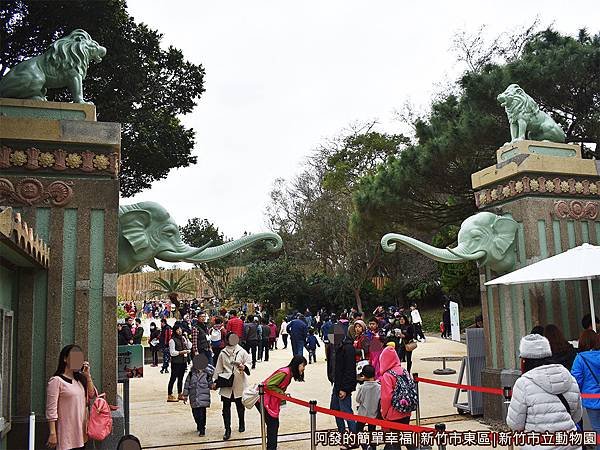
486	238
147	231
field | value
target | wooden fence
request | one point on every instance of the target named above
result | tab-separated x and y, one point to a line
135	286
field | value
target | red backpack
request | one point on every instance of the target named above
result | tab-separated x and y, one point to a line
100	421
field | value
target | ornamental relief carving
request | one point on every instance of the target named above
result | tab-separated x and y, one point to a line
33	158
576	209
537	186
31	191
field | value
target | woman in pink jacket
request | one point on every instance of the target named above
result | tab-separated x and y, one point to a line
278	382
389	361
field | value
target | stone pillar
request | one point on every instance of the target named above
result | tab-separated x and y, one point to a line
59	168
554	195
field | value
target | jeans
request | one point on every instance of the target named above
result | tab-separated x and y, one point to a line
227	411
252	347
419	331
166	358
298	347
155	355
312	354
200	418
344	405
284	337
594	416
272	424
177	372
216	351
404	356
263	349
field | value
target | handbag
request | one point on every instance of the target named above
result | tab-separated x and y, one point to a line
410	346
99	424
250	396
225	380
361	364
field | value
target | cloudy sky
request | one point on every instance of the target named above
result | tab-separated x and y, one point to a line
283	76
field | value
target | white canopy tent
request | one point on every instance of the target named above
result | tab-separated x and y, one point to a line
579	263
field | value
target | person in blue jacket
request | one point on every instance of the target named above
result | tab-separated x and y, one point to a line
586	370
298	330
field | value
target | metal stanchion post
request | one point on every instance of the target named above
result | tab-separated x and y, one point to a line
313	424
415	376
32	431
126	404
263	436
441	429
506	392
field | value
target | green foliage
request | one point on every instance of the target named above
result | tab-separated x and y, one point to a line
197	232
428	186
270	283
140	84
164	288
121	313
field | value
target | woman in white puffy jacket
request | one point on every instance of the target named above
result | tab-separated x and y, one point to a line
546	397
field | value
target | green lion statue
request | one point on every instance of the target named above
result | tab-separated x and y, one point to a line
526	119
64	64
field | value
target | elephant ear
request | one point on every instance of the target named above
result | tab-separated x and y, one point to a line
134	225
505	230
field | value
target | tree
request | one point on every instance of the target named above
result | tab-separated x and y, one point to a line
138	83
312	211
171	288
197	232
428	186
270	283
460	281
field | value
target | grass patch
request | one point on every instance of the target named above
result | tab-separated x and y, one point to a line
433	317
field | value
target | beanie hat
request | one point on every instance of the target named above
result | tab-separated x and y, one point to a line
534	346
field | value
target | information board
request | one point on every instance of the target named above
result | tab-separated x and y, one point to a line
130	362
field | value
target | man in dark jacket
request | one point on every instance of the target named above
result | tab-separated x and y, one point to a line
251	338
126	331
298	330
341	371
200	344
263	345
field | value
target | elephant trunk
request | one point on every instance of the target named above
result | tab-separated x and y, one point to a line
203	254
456	255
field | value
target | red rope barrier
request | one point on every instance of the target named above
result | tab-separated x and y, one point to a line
347	416
485	390
586	395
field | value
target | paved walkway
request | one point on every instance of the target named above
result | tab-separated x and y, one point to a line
170	426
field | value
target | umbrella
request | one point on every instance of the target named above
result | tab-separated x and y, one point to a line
579	263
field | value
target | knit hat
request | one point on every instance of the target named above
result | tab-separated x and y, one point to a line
361	323
391	344
534	346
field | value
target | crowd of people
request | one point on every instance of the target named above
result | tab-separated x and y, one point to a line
364	355
221	348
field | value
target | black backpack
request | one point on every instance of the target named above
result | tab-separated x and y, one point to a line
404	397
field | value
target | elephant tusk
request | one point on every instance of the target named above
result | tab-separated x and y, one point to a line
475	256
186	253
388	244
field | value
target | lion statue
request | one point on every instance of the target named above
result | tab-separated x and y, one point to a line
64	64
526	119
